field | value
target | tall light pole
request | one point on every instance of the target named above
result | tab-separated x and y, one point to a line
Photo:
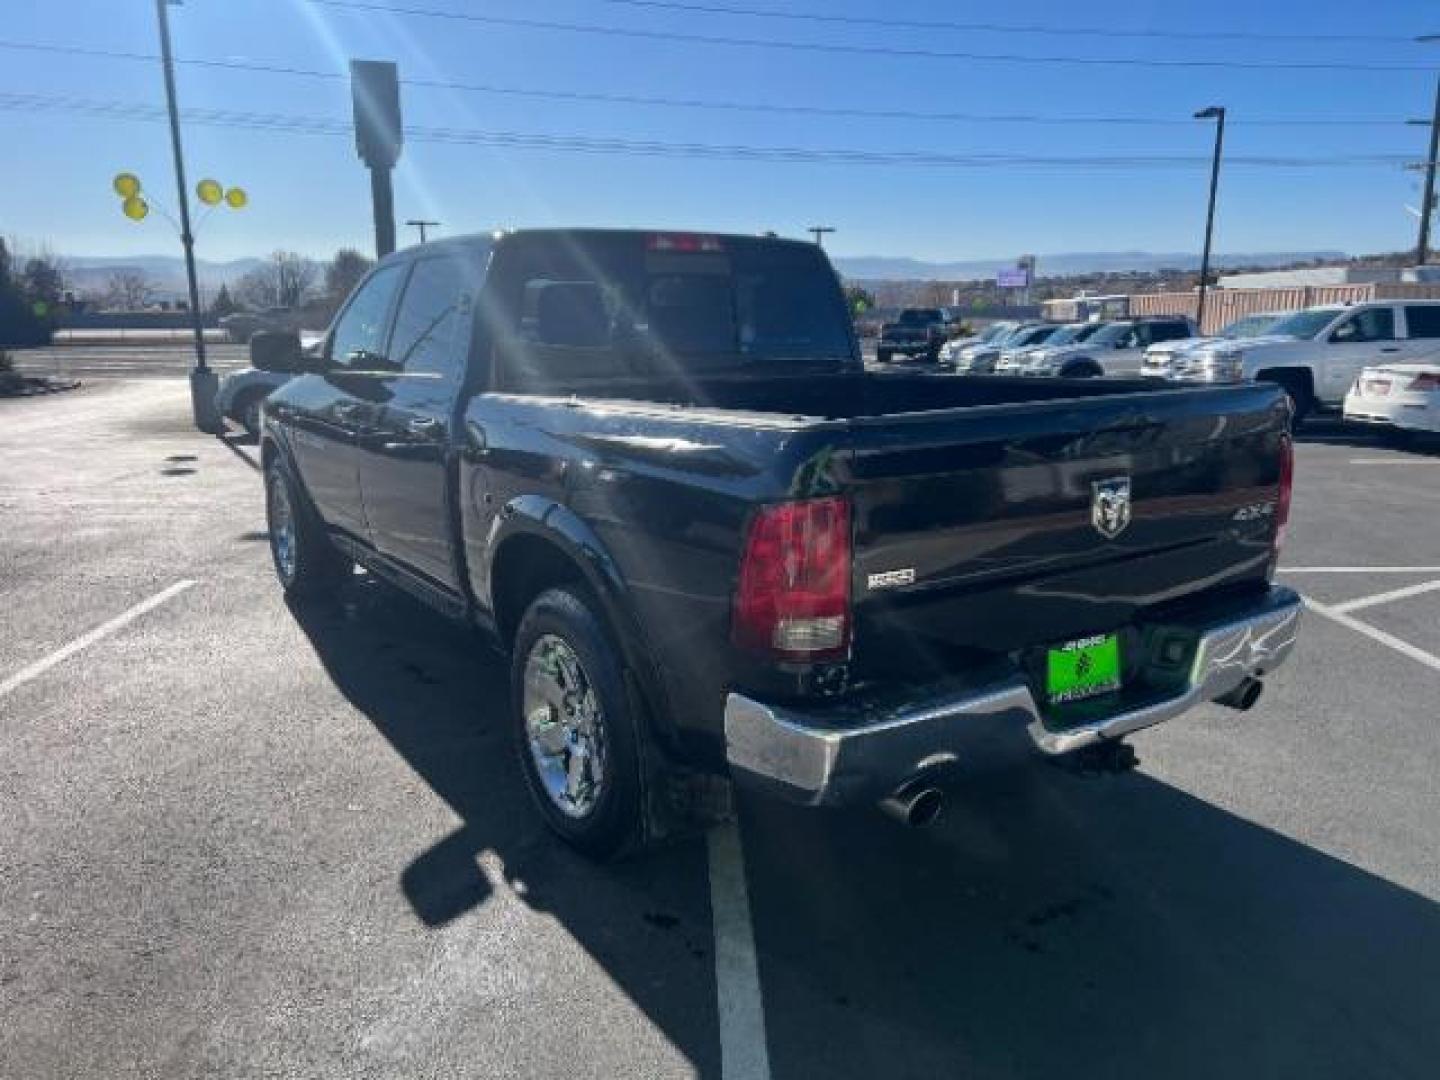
1427	204
1216	113
819	232
203	383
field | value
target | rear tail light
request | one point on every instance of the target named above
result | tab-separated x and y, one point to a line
793	597
1287	484
1427	381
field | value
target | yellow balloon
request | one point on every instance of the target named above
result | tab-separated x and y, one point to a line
136	208
210	192
236	198
127	185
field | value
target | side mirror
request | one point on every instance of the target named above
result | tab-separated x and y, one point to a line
278	351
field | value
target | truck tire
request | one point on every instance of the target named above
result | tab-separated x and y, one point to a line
576	733
306	562
1297	388
883	356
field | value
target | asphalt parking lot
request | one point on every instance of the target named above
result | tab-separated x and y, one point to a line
241	839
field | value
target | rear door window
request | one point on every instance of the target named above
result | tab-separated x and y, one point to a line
433	322
1169	331
1423	320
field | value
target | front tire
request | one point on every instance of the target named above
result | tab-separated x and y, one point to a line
1298	389
306	562
884	356
576	732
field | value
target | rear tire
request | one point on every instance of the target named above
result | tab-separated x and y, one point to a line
1086	370
883	356
306	562
576	732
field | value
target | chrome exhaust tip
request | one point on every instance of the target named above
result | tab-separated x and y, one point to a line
914	805
1244	696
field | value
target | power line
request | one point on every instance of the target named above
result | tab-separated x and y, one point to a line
601	97
997	28
312	125
863	50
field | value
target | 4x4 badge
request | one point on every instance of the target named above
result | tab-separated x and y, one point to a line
1110	506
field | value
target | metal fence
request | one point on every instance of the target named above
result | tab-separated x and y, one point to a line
1224	306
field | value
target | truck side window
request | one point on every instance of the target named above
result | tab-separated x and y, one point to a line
1372	324
359	339
431	328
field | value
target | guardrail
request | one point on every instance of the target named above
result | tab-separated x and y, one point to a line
122	336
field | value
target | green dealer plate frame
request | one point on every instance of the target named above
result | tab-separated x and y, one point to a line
1084	668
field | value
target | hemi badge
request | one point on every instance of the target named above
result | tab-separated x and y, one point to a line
892	579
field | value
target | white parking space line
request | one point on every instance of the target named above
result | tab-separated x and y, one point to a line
1393	461
1390	640
35	670
743	1053
1385	597
1360	569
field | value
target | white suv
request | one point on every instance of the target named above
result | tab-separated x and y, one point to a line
1316	354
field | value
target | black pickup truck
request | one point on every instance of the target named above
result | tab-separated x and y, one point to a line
653	469
915	332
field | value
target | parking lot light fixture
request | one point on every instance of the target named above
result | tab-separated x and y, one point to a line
1216	113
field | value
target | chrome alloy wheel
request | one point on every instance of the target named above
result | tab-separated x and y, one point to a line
282	529
563	727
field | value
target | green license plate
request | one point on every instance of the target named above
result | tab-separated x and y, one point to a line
1083	668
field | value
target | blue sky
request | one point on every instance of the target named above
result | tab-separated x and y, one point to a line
310	193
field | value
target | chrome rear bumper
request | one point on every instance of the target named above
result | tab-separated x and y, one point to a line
848	753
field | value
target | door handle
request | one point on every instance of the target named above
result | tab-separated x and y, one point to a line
425	425
1391	348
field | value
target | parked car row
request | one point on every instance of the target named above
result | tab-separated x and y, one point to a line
1320	355
1070	350
1377	362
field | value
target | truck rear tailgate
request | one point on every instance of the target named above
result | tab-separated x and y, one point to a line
994	529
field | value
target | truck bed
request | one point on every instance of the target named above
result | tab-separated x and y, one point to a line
846	395
973	504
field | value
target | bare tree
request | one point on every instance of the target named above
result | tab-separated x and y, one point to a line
294	277
256	288
344	272
286	280
128	290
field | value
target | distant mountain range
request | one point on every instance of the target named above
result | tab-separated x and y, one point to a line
1063	264
167	272
89	273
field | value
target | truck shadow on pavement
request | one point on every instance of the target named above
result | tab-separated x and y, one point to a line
1050	925
438	695
1053	925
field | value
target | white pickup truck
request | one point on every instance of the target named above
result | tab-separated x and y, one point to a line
1317	354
